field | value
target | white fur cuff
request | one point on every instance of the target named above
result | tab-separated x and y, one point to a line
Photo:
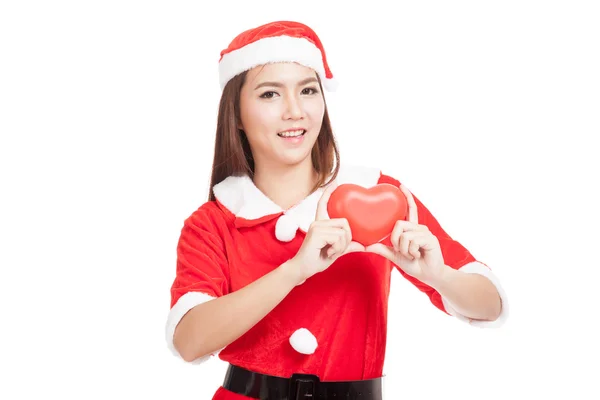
183	305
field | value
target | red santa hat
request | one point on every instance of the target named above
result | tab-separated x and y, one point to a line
280	41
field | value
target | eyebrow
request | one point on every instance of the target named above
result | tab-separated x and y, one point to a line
278	84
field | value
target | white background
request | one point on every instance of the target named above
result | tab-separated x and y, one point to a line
487	111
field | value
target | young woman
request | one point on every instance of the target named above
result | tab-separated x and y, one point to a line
264	278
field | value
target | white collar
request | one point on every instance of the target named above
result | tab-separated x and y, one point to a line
251	206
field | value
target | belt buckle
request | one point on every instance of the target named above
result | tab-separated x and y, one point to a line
303	387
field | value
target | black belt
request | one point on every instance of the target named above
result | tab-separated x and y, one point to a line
298	387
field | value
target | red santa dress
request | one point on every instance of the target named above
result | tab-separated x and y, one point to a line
334	324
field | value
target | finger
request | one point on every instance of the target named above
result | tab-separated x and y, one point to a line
411	242
344	224
340	245
330	252
354	247
413	249
336	249
413	215
330	230
405	226
382	250
341	223
426	241
337	222
395	236
346	227
421	242
322	205
328	239
405	240
329	244
327	235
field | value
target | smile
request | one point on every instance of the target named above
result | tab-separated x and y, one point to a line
291	134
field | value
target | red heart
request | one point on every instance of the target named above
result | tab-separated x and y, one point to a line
371	213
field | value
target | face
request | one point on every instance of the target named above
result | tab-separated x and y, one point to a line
281	111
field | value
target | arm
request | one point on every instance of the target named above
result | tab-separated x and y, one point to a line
213	325
206	315
461	286
471	295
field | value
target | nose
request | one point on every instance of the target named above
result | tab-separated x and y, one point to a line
293	108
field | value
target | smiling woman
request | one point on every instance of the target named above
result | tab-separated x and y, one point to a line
265	279
273	116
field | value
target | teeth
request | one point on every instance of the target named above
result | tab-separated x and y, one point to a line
291	133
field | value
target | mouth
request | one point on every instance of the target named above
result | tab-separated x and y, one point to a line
292	134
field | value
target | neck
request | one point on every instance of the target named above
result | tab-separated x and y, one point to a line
286	185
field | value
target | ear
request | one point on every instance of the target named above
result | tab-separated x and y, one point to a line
239	125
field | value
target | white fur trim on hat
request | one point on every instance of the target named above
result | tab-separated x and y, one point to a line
479	268
272	50
183	305
303	341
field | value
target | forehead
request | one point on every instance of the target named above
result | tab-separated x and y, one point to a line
284	72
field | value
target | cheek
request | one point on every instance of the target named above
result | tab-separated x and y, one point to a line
316	110
258	119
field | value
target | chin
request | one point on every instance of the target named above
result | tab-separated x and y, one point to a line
295	156
294	159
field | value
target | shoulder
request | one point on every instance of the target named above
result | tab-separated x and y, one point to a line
210	216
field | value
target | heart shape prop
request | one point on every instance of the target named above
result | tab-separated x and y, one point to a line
371	213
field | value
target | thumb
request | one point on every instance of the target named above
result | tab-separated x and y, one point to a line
382	250
354	247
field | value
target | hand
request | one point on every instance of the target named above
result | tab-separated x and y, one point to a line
326	241
415	249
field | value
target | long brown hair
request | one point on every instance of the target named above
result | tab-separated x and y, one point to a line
232	155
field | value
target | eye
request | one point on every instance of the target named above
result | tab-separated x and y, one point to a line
310	90
268	95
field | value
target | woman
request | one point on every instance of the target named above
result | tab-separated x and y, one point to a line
265	279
